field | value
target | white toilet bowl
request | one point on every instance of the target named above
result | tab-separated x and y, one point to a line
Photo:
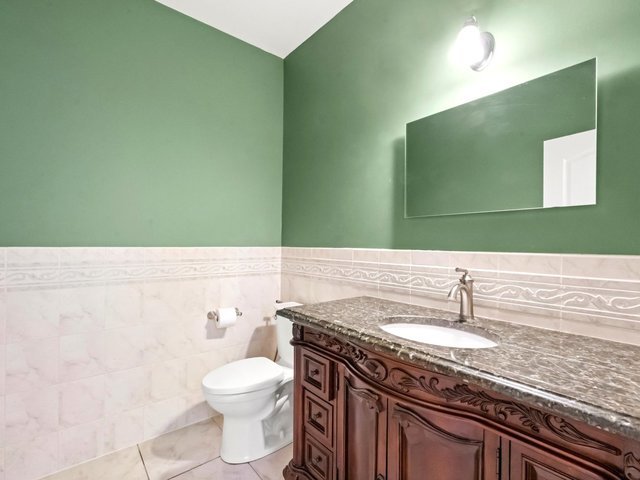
255	396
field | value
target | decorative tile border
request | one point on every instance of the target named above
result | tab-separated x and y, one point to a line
593	285
37	268
602	290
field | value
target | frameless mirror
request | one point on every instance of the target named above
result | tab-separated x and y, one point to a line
530	146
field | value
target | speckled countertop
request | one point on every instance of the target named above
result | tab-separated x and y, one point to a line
591	380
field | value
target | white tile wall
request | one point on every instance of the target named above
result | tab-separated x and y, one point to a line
102	348
595	295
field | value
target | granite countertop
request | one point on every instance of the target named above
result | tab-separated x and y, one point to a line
588	379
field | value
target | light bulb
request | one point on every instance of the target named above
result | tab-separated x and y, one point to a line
469	45
473	48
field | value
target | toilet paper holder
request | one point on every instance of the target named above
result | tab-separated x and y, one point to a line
212	315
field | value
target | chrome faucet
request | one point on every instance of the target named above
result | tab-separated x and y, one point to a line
464	287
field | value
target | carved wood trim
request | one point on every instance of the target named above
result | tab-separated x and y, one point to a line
407	417
372	399
371	367
529	417
293	472
631	467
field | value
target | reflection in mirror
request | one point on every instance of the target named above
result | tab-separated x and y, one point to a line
530	146
570	170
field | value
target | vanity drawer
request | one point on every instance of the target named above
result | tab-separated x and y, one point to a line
317	375
318	459
318	418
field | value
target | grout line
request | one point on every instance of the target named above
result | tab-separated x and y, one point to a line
193	468
143	464
256	472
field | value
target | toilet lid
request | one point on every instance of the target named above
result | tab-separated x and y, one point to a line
243	376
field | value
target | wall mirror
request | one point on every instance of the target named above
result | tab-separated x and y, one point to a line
530	146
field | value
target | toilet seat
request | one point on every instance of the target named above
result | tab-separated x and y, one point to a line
243	376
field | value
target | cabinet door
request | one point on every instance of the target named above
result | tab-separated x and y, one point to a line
362	434
529	463
429	445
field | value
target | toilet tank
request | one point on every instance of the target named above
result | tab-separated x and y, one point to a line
283	332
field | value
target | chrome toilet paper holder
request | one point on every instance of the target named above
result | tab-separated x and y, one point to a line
213	315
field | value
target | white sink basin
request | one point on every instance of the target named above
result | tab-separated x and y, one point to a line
437	335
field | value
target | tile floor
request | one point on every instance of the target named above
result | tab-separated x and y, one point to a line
191	453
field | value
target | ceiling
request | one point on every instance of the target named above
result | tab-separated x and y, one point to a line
276	26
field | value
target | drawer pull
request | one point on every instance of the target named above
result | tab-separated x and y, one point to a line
314	372
316	460
316	416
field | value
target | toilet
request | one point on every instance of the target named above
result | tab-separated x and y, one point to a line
255	397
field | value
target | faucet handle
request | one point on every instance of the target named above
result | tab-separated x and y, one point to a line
465	278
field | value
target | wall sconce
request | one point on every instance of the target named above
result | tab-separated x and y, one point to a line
473	47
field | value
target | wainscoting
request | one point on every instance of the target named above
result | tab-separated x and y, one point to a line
594	295
105	348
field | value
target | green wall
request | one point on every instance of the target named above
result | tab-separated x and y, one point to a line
123	122
352	87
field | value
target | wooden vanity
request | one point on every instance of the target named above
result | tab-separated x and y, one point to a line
363	414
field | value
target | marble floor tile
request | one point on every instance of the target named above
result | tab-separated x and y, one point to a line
219	419
179	451
122	465
217	469
191	453
271	466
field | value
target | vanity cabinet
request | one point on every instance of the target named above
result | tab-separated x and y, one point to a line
362	415
362	428
527	463
422	440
